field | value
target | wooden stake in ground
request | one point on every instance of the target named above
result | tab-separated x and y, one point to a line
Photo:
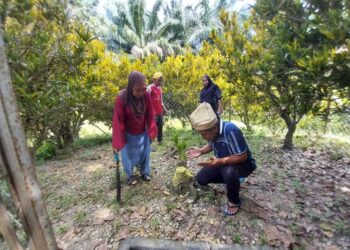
119	188
19	165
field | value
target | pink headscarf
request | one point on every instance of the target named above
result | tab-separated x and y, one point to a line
137	105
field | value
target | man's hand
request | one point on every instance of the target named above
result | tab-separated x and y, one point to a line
193	153
212	162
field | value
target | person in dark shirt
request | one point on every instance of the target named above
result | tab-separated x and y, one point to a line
211	94
232	160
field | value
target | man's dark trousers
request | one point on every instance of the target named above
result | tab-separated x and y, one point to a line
159	122
228	175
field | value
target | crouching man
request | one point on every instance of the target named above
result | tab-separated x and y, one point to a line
233	158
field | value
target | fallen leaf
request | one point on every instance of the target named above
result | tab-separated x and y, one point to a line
180	212
166	193
179	218
103	246
283	214
327	233
333	247
142	211
275	235
326	227
212	211
123	234
180	236
135	216
190	224
104	214
271	234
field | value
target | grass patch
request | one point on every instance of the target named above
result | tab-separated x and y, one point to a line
170	206
45	152
92	141
237	238
48	150
61	229
80	217
66	201
117	225
154	223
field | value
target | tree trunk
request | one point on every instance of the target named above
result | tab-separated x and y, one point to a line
288	139
7	230
328	112
230	110
18	163
247	120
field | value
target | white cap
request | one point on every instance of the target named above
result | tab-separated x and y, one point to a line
203	117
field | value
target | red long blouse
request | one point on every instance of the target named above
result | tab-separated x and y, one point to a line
124	121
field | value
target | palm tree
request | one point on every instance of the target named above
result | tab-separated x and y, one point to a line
139	32
194	23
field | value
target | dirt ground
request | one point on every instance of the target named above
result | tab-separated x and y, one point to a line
297	199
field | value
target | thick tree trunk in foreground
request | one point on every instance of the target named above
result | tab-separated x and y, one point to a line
18	164
6	228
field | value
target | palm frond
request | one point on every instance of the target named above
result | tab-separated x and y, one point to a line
199	34
153	20
172	25
137	12
130	36
222	4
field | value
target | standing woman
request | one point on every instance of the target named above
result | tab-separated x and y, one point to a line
134	127
211	94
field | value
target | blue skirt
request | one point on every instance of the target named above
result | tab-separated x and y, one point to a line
136	152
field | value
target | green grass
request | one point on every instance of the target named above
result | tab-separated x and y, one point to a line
92	141
309	135
117	225
66	201
154	222
237	238
46	151
80	217
170	206
61	229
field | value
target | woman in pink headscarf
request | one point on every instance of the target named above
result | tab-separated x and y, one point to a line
134	127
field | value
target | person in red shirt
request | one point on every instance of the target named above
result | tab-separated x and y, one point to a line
134	126
155	90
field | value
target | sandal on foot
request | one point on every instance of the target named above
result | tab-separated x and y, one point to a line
146	177
226	209
132	181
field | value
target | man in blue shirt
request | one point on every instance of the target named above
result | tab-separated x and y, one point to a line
233	158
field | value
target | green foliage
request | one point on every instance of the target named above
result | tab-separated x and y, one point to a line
62	229
61	74
140	32
81	217
180	145
271	68
237	238
46	151
288	60
92	141
235	47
